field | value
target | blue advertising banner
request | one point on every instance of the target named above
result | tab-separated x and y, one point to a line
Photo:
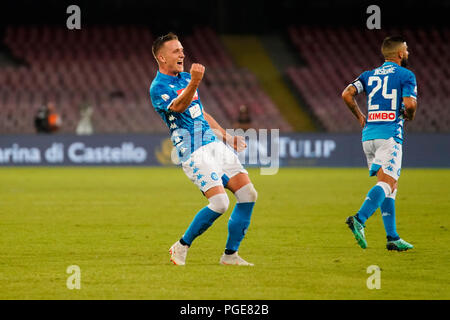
316	150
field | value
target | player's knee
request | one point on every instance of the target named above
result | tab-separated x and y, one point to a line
385	186
247	193
388	180
252	194
219	203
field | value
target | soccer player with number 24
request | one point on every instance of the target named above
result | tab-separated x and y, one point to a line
391	99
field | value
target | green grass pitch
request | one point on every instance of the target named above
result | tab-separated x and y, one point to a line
117	225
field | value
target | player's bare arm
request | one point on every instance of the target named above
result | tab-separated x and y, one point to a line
237	142
348	95
184	100
410	104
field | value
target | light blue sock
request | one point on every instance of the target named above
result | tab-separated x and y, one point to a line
373	201
202	221
388	214
238	224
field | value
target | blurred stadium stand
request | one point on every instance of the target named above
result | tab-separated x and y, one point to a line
111	69
229	85
107	67
334	56
108	63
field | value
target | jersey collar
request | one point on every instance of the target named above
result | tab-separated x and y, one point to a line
390	63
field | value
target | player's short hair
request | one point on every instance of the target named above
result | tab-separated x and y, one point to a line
159	42
391	44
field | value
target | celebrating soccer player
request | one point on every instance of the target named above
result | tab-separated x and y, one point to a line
208	162
391	99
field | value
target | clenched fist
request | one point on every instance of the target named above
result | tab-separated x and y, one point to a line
197	72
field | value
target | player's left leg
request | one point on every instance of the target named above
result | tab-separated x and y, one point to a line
235	178
239	221
388	214
394	242
379	153
376	196
218	204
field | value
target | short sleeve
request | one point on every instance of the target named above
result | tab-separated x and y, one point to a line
162	96
358	83
409	85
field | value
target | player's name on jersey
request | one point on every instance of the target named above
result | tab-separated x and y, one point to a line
384	70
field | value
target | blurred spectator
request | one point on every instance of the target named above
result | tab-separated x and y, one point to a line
244	121
47	120
85	124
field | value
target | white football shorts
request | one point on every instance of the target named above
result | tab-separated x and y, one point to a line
385	154
212	165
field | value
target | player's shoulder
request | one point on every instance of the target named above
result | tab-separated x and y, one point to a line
406	72
155	86
158	89
158	83
363	76
366	73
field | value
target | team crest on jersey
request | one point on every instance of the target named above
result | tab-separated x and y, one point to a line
385	70
195	97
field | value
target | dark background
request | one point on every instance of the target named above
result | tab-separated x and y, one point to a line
227	16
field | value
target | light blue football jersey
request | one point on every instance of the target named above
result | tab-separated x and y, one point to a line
189	130
385	88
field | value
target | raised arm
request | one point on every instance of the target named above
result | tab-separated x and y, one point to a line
184	100
348	95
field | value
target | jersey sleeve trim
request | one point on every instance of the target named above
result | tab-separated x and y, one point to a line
170	104
358	85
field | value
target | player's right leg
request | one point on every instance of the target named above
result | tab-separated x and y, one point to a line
239	221
218	204
204	173
388	214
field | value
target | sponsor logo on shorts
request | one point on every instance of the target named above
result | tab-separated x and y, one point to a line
381	116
